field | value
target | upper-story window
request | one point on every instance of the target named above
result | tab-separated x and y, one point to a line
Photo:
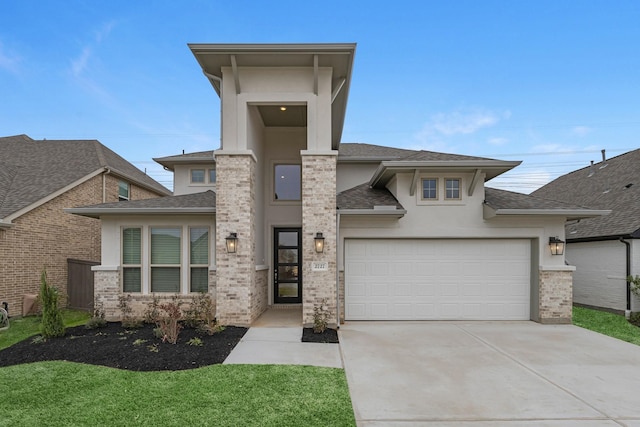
452	189
197	176
123	190
430	189
212	176
287	182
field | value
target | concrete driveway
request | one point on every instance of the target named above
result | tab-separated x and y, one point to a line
480	374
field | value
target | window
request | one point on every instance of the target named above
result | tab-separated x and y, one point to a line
287	182
212	176
430	189
452	188
123	190
165	259
199	259
131	259
197	176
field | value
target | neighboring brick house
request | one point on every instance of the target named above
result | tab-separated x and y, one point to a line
604	250
297	217
38	180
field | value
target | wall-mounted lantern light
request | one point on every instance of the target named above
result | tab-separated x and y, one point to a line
319	241
556	245
232	243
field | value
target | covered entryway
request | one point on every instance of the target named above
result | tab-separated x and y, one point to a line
437	279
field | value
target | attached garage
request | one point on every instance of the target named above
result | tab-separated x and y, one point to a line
437	279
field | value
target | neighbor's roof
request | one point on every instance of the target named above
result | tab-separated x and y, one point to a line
613	184
502	202
202	203
31	170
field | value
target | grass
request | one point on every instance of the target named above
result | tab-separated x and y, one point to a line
613	325
24	327
65	393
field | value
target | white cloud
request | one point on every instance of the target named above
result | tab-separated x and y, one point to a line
497	141
8	60
581	130
79	64
521	182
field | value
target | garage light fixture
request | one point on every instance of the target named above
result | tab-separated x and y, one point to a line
319	241
556	245
232	243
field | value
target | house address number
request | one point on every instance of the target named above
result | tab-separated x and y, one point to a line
319	266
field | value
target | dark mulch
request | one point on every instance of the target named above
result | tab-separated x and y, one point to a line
328	336
117	347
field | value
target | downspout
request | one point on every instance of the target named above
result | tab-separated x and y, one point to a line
337	270
627	312
104	184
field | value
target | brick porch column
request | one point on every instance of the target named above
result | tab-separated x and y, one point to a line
318	215
556	296
235	213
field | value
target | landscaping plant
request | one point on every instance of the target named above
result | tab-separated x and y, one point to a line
129	321
169	323
634	285
98	319
52	324
320	317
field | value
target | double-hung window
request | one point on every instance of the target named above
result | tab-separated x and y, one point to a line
199	259
131	259
123	190
165	259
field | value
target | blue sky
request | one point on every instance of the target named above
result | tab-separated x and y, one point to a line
547	82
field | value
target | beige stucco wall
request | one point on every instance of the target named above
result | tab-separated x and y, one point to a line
349	175
182	179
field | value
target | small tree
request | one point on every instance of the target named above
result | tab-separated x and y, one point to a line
52	324
634	284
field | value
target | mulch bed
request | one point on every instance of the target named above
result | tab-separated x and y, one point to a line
328	336
130	349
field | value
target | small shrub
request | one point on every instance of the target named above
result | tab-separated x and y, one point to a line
157	332
52	323
634	318
634	284
210	328
320	317
201	314
195	342
152	312
170	322
128	320
98	316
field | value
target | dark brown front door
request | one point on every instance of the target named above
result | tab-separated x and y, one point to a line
287	281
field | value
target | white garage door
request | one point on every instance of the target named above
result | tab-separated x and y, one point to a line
437	279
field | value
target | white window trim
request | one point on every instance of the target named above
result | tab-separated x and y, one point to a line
190	265
429	200
128	197
453	199
123	265
180	265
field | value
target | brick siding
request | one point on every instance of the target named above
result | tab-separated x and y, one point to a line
46	236
556	296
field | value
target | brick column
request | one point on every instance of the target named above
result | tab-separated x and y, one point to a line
106	290
556	296
235	213
318	215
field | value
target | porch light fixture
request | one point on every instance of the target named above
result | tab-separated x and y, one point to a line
232	243
556	245
283	108
319	241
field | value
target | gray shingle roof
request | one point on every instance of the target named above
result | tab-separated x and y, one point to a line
365	197
31	170
503	199
615	186
204	202
202	157
348	151
435	156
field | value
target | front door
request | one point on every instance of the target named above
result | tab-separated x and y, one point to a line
287	280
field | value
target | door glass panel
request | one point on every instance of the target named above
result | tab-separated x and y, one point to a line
287	238
287	256
288	272
288	290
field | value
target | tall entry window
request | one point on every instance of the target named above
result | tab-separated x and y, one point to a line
287	182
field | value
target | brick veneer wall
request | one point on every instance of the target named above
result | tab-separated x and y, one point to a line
108	290
318	215
46	236
556	296
341	296
236	213
259	294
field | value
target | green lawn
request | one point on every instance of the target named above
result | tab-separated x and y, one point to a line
614	325
65	393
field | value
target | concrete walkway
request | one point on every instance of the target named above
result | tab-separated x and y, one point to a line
481	374
275	339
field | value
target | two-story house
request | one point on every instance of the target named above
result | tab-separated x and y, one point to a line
283	213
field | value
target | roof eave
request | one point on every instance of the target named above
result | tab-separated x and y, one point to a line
170	163
569	214
491	168
396	213
4	225
98	213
